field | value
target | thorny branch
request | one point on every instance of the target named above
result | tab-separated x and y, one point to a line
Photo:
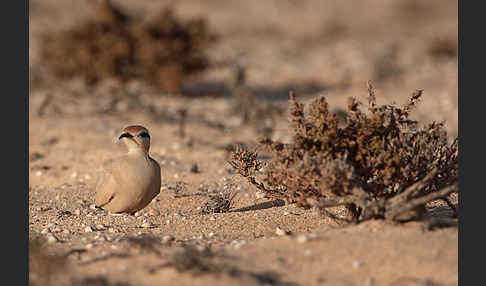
379	165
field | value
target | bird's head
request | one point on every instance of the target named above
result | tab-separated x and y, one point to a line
135	137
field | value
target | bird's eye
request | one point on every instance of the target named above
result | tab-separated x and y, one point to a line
128	135
144	135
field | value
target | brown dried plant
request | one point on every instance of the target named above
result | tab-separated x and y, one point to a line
162	51
380	164
44	266
220	202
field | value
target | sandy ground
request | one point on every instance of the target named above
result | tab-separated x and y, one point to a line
313	47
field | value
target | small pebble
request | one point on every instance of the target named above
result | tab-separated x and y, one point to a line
74	175
369	281
38	173
239	243
52	238
167	238
100	227
45	231
312	235
146	225
260	195
77	212
153	212
356	264
89	245
280	231
92	206
307	252
287	213
211	234
88	229
302	238
212	218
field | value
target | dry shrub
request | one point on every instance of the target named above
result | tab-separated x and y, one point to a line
162	51
221	202
380	164
145	243
44	266
197	262
97	281
443	48
205	261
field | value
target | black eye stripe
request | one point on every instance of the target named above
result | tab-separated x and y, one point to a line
144	134
128	135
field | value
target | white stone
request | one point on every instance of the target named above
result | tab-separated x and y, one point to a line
280	231
260	195
51	238
146	225
302	238
167	238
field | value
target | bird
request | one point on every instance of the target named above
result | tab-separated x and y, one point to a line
129	182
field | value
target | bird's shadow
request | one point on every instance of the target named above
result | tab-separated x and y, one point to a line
261	206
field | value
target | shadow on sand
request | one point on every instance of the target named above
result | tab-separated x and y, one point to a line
261	206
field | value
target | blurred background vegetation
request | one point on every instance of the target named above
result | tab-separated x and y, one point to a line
256	51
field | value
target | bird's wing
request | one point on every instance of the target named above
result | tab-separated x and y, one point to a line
106	187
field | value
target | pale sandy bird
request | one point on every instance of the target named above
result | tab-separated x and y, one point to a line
131	181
